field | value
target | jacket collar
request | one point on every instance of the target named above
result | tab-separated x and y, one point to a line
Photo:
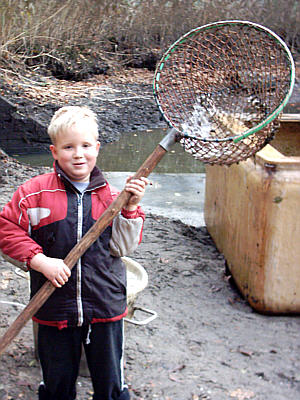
96	179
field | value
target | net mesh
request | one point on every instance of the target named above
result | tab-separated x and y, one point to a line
217	83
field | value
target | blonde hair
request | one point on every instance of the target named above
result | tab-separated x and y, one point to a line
67	116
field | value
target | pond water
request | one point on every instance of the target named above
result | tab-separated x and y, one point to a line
130	152
178	181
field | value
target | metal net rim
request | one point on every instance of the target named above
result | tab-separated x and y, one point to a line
275	113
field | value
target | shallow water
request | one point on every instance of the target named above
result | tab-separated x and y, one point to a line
178	181
130	152
178	196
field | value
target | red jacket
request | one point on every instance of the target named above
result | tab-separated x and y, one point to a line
47	214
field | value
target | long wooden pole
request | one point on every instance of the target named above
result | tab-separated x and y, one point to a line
87	240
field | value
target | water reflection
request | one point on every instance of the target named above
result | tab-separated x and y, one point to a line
130	152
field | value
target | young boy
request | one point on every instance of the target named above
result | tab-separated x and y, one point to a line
46	217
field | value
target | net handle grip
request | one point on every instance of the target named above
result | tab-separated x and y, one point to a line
170	138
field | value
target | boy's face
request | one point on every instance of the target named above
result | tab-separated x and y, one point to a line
76	151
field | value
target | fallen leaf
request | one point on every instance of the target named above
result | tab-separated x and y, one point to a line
242	394
174	378
215	289
163	260
246	353
179	368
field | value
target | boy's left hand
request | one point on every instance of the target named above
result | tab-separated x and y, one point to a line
137	187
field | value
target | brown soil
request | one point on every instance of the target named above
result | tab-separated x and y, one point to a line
207	343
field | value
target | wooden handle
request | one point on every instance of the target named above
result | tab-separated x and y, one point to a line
87	240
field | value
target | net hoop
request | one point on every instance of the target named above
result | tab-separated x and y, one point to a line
180	42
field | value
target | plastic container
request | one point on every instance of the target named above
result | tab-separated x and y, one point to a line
252	212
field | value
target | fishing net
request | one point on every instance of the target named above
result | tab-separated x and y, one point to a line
223	87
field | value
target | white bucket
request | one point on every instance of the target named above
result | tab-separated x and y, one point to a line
137	280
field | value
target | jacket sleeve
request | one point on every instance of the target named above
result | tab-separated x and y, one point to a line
127	228
15	242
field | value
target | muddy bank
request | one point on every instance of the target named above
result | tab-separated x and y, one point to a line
206	343
123	103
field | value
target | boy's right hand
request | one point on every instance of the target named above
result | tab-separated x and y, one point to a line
54	269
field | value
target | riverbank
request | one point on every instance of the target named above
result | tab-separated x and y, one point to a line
207	343
123	102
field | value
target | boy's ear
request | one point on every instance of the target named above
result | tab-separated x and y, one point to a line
53	151
98	145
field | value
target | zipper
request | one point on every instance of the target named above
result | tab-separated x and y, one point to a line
79	236
79	269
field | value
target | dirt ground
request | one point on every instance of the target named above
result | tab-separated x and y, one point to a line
206	343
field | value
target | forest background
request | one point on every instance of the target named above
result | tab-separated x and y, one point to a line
77	38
